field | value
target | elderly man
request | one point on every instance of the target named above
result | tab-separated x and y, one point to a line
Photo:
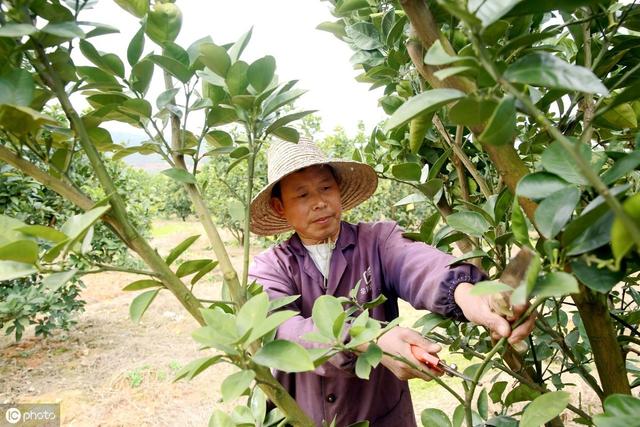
307	192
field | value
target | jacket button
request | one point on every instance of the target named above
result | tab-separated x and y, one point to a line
331	398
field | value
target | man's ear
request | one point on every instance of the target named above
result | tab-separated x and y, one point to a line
277	206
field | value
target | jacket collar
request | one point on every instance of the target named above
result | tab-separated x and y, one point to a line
346	238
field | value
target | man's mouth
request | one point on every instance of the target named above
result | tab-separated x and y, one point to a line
323	219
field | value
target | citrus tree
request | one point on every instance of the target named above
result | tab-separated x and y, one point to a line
518	122
506	171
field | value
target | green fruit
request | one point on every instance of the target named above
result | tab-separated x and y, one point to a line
163	23
418	128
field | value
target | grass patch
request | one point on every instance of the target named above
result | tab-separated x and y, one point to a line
165	228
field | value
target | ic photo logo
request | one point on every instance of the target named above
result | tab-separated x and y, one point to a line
13	415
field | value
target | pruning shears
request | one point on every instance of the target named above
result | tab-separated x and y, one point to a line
435	364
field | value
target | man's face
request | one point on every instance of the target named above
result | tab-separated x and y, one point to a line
310	204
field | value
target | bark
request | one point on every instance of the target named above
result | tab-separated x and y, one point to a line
505	158
607	353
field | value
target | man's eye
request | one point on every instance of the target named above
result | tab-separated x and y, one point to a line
303	195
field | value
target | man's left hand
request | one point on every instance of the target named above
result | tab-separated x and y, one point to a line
479	309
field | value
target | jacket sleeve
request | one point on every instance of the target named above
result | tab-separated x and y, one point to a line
269	272
420	274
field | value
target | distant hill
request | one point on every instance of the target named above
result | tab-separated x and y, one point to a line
151	163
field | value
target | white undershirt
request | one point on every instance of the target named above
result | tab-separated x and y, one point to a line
321	256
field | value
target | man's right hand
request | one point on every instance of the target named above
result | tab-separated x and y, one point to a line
398	341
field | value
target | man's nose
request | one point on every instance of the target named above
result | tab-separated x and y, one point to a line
319	201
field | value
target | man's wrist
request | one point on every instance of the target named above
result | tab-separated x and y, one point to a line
461	293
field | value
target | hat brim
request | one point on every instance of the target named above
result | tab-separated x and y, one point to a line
358	181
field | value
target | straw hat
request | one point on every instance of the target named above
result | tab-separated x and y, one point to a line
357	181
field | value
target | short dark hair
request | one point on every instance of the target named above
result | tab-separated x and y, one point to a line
276	191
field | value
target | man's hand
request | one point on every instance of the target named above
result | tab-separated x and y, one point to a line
398	341
479	309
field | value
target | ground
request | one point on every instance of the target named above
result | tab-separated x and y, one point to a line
108	371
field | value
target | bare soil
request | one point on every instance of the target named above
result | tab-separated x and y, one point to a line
108	371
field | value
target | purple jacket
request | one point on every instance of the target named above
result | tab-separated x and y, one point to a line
389	264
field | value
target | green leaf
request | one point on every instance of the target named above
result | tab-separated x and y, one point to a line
555	211
476	253
261	72
137	8
215	58
46	233
364	35
285	356
221	116
347	6
138	107
190	267
76	226
141	74
429	321
55	281
252	313
178	250
367	360
496	391
136	47
555	159
236	79
436	55
163	23
238	47
235	384
66	30
467	222
426	102
521	393
10	270
22	120
589	231
543	6
326	310
539	185
16	88
483	404
451	71
138	285
545	70
519	224
173	67
501	129
620	410
407	171
195	367
180	175
24	251
544	408
621	167
555	284
140	304
221	419
621	241
599	279
490	11
288	119
270	323
11	29
489	287
287	134
271	104
619	117
432	417
335	28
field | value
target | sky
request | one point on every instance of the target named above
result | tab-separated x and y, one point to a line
285	29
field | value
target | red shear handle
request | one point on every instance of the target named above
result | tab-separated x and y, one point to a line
425	357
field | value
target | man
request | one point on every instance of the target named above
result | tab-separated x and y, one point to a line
307	192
